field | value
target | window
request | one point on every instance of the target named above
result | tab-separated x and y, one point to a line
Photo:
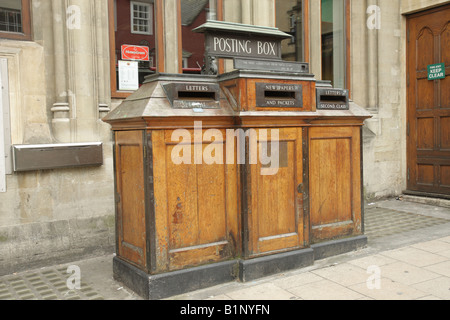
141	18
132	44
334	39
194	13
10	20
140	24
292	18
15	19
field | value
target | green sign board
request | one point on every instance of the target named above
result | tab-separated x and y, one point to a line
436	71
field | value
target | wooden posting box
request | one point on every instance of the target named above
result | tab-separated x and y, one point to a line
173	211
213	218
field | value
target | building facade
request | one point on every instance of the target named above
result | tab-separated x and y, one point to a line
63	68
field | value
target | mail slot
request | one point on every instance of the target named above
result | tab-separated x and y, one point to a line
279	95
193	95
332	99
56	156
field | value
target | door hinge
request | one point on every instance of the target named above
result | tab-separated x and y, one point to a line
407	129
408	174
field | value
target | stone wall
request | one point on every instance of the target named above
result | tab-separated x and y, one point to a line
59	88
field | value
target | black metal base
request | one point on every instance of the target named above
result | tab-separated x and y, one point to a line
256	268
161	286
333	248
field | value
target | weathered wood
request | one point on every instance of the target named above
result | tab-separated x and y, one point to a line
275	207
198	221
173	215
244	92
428	111
335	182
130	197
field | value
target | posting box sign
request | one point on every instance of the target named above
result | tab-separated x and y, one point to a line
332	99
135	53
277	95
193	95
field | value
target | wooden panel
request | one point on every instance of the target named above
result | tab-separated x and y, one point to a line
131	204
160	198
445	176
445	94
445	44
198	199
335	182
445	132
331	180
275	211
425	48
425	174
425	133
425	94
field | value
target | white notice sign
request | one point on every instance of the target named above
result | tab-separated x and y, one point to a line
128	75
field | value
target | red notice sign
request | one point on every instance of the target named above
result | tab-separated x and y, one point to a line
136	53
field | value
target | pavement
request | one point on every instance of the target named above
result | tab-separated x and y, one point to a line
407	258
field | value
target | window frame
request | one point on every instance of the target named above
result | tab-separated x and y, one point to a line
159	29
149	20
26	25
346	44
305	30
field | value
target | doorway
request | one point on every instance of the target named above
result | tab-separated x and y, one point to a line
428	102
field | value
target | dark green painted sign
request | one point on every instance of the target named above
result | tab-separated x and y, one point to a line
436	71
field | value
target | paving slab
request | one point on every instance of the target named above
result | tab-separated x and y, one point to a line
407	257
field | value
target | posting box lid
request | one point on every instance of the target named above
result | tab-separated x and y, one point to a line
172	96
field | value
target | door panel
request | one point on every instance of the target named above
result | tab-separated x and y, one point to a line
130	206
196	211
428	102
275	216
335	179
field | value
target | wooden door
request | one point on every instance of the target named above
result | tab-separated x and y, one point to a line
130	197
273	201
428	126
196	215
335	182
